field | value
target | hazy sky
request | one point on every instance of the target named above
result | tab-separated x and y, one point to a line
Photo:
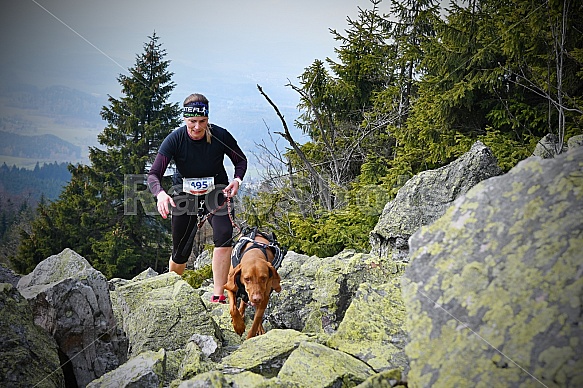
221	48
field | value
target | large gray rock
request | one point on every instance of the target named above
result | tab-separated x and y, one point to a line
28	354
216	379
264	354
146	370
196	359
70	300
373	328
316	292
494	287
315	365
425	197
162	312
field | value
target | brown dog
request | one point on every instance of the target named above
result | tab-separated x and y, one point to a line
259	277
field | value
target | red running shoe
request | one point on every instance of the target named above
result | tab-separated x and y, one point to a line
219	299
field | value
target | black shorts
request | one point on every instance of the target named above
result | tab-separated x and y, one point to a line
185	218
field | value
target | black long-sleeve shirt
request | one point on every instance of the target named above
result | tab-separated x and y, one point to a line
197	158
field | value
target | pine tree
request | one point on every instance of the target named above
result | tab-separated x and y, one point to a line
91	214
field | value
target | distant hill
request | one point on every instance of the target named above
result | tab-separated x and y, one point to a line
54	101
41	147
56	123
73	119
20	184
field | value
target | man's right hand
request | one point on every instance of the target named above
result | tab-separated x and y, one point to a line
163	201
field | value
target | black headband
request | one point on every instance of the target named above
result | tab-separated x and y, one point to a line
194	109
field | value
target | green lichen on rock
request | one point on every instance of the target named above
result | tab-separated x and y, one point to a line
315	365
316	292
148	369
264	354
498	299
194	362
373	327
386	379
162	312
22	343
216	379
221	315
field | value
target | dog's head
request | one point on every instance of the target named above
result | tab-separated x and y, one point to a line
256	275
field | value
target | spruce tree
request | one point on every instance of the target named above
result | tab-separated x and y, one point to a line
91	215
496	72
335	102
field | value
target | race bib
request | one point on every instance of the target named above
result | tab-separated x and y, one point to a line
198	186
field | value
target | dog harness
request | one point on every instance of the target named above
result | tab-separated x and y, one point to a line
248	236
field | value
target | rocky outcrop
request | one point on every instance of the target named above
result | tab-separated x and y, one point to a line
343	312
548	147
425	197
492	293
317	292
70	300
373	329
494	287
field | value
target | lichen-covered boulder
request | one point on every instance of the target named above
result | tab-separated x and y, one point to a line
216	379
264	354
387	379
197	355
292	306
315	365
373	328
494	288
70	300
28	354
162	312
316	292
425	197
146	370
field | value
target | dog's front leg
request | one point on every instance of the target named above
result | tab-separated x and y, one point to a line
257	327
242	307
236	317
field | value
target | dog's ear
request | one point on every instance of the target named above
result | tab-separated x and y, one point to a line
275	279
232	279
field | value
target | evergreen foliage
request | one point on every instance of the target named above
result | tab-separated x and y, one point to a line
43	181
15	215
91	214
487	76
413	92
21	192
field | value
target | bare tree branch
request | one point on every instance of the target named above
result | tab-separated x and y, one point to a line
287	136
